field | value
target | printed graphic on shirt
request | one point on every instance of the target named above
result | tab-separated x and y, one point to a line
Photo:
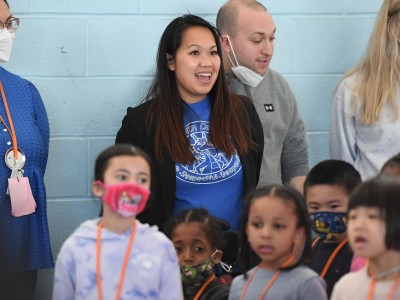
147	265
211	165
269	107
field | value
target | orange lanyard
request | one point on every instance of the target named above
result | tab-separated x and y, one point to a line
12	133
391	293
124	266
270	282
333	255
203	287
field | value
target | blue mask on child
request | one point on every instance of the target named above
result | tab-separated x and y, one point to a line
328	225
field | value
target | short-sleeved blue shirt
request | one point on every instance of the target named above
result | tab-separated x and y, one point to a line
215	180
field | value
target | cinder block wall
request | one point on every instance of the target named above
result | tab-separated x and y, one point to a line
91	59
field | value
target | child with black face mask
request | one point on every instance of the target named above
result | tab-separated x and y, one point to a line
116	256
327	190
197	238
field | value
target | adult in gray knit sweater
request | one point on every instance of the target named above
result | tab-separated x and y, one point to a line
247	34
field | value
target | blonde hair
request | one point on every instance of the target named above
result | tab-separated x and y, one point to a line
378	72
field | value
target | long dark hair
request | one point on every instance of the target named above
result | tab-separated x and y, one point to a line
228	122
247	257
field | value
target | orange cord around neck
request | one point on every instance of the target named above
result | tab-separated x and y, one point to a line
124	266
203	287
333	255
13	135
270	282
391	292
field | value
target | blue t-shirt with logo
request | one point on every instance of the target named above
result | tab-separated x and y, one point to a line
215	180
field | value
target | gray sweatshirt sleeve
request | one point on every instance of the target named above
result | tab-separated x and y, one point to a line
294	161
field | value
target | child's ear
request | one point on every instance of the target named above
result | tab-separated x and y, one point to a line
298	243
217	256
98	190
300	235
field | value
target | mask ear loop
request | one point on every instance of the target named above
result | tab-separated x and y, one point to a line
233	52
225	266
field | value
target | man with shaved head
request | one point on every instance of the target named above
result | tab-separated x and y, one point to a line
247	34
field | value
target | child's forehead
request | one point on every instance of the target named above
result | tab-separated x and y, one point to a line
391	170
365	209
271	202
189	232
189	228
127	161
325	192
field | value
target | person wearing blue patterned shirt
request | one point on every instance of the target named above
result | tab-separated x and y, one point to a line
24	234
206	143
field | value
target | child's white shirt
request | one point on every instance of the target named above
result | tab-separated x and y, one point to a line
355	286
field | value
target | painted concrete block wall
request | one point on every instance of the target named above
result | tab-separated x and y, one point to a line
91	59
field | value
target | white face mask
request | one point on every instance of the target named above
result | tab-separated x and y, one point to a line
245	75
6	42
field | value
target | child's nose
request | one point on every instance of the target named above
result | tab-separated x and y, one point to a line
187	256
359	223
266	232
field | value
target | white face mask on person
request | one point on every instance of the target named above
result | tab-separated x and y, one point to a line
245	75
6	42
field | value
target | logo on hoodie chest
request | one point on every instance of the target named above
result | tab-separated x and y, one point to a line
269	107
